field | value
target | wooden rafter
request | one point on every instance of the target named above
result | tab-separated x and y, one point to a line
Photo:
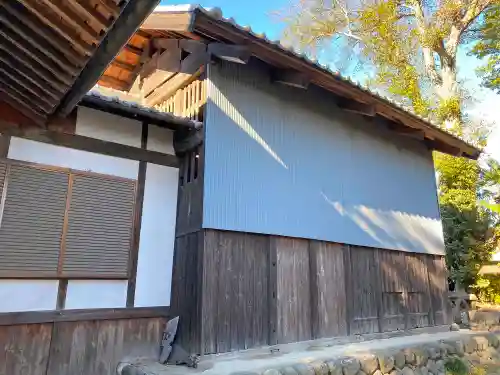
41	45
48	91
60	8
12	86
63	30
28	85
290	77
351	105
34	71
25	108
89	11
34	25
36	60
110	7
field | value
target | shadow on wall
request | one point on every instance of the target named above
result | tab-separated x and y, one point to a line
279	166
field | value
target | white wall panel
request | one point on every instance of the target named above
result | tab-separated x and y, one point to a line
108	127
93	294
156	247
28	295
160	139
286	161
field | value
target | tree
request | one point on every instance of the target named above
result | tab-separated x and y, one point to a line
489	47
412	45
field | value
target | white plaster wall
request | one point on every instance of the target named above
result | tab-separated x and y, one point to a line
37	152
156	246
93	294
161	140
108	127
28	295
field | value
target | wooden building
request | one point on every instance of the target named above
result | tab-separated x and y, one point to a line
253	192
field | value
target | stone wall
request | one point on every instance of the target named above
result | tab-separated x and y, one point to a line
428	359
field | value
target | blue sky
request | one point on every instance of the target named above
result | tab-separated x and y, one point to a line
261	16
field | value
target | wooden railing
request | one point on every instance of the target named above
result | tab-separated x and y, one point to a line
187	102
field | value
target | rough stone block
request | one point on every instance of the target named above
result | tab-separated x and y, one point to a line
386	363
320	367
271	371
407	371
470	345
481	343
335	367
350	366
369	364
421	356
396	372
454	327
432	367
304	369
421	371
289	370
410	356
493	340
399	359
440	365
434	352
455	347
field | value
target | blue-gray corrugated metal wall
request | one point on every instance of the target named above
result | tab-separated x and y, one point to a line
288	162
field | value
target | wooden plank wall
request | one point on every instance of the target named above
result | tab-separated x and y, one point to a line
83	347
264	290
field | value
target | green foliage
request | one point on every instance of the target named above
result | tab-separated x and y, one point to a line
455	366
488	47
488	289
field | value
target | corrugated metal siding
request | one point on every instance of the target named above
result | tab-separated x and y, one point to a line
99	226
288	162
32	220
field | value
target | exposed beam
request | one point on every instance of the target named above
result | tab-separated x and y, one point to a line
62	29
79	142
35	25
123	65
60	8
190	69
235	53
352	105
110	7
23	81
85	7
36	41
290	77
168	21
406	131
130	19
187	141
21	63
112	81
12	88
37	58
37	117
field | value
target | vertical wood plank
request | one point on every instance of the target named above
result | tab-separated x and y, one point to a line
438	286
293	298
4	145
328	291
61	294
210	291
346	252
419	309
272	292
139	202
25	349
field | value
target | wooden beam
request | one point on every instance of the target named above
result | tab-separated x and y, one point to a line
235	53
139	202
61	10
187	141
123	65
113	82
168	21
37	117
133	14
61	294
34	25
16	46
110	7
91	12
352	105
24	81
79	142
406	131
11	86
36	41
62	29
191	68
54	316
290	77
38	76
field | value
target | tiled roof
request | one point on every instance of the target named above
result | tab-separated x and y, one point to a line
216	13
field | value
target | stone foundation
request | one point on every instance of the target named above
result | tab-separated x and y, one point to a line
426	359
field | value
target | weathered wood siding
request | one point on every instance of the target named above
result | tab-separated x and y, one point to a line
264	290
84	347
288	162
